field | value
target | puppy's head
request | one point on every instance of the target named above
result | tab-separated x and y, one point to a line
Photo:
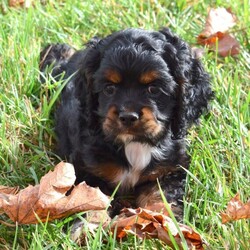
136	94
143	85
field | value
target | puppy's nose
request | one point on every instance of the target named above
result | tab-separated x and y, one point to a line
128	118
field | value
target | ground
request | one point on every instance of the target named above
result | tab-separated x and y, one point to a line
219	147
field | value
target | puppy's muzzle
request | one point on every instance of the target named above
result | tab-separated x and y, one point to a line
128	119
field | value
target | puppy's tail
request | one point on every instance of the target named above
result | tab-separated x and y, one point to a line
53	59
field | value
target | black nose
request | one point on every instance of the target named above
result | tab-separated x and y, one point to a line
128	118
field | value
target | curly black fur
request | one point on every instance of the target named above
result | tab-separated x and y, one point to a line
133	90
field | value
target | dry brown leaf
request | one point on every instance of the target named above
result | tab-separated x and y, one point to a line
147	224
49	200
158	207
8	190
218	20
236	210
215	35
23	3
224	43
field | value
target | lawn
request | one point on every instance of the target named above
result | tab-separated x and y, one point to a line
219	147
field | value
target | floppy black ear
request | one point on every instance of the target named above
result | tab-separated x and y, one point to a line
88	65
194	91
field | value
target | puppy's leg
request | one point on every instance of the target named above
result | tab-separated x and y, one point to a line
55	56
173	187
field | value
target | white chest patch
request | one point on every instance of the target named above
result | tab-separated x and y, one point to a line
139	156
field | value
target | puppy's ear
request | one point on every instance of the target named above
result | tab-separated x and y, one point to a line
88	65
193	84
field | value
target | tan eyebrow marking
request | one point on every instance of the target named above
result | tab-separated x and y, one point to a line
113	76
148	77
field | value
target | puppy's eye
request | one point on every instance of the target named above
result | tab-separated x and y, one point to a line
154	91
109	90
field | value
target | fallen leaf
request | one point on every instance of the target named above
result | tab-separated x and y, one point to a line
215	35
147	224
158	207
49	200
236	210
218	20
23	3
8	190
224	43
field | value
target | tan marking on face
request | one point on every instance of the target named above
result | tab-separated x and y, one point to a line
113	76
148	77
149	122
110	120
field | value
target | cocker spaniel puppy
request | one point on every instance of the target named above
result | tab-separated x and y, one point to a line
125	112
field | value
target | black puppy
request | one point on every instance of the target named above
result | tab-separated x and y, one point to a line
125	111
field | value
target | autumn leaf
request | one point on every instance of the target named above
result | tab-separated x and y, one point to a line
224	43
147	224
8	190
218	20
236	210
215	34
50	200
23	3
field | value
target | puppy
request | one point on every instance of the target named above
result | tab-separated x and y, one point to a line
125	112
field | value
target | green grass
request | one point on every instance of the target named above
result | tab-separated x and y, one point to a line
219	146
